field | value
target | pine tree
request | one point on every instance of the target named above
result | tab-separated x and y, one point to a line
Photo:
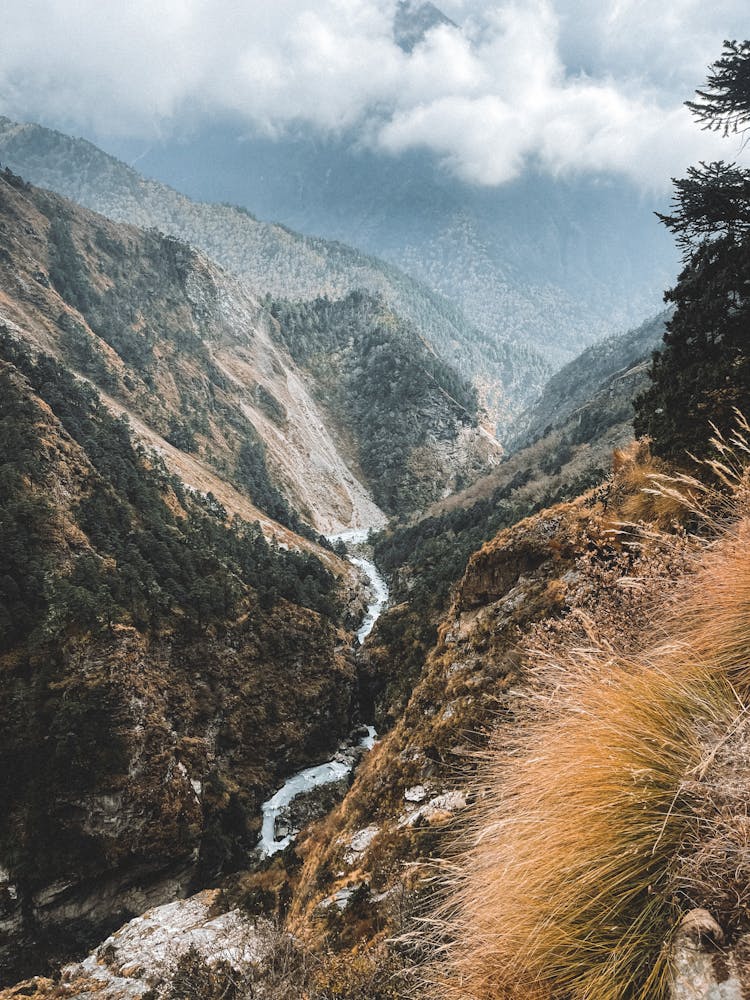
702	374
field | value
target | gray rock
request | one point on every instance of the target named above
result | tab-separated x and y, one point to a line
703	970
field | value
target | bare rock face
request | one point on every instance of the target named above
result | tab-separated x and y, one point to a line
703	970
145	954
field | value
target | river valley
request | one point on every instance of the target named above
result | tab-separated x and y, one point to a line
275	810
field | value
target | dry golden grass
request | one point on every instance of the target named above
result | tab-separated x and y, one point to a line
634	496
565	891
622	805
713	616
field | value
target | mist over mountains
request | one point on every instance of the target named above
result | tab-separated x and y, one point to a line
552	263
413	20
537	224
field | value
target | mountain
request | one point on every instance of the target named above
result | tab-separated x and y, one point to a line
272	259
553	264
413	20
552	801
176	638
205	373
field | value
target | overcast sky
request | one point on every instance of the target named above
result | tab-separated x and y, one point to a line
568	85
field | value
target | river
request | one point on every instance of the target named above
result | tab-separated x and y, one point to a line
339	767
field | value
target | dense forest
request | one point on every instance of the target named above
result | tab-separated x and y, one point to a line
144	563
385	385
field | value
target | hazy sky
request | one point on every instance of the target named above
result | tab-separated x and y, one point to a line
569	85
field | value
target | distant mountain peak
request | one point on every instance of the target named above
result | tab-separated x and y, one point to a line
413	20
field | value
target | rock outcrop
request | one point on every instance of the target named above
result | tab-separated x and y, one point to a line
151	952
704	969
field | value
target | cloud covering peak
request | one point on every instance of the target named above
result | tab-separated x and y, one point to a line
564	85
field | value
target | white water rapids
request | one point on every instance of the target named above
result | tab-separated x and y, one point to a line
303	781
336	769
378	586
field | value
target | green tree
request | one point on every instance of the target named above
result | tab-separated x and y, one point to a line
724	104
702	374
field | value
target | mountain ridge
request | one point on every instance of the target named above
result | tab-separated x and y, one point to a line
273	259
138	314
554	263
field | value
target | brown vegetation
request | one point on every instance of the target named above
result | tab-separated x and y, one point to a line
622	805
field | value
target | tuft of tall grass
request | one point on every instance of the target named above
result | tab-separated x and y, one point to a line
565	891
713	617
633	495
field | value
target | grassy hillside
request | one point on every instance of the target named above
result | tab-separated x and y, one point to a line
622	802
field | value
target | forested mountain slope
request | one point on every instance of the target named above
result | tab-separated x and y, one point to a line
414	420
575	385
163	665
554	263
204	370
272	258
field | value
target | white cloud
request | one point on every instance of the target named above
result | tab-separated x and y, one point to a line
568	85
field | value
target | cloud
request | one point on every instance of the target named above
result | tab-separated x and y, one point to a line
564	85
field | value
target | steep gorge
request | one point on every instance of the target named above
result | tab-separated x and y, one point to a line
208	687
177	635
561	684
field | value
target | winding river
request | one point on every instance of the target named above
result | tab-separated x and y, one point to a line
376	583
338	767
